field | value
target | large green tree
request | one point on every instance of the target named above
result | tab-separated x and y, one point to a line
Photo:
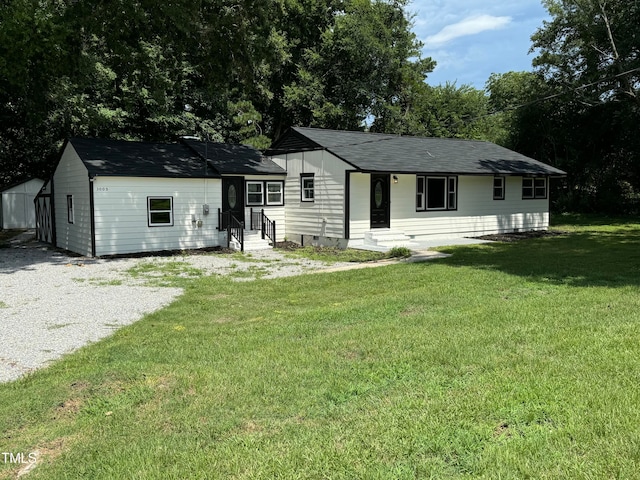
580	108
241	70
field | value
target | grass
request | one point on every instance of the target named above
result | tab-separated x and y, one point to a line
503	361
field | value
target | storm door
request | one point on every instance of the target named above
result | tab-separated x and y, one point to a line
232	199
380	200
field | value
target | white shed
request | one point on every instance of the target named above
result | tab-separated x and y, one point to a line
16	204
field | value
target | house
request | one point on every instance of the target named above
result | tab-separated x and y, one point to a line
109	197
16	204
355	188
313	186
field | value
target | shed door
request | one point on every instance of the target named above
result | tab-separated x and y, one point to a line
233	197
380	200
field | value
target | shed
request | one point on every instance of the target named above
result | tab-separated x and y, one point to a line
16	204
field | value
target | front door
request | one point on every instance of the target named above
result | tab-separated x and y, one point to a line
232	198
380	200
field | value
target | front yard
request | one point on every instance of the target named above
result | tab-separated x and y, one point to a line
506	360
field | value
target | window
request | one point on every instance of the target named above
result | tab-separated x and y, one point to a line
436	193
269	192
70	208
534	188
420	193
498	188
274	193
255	193
307	187
160	211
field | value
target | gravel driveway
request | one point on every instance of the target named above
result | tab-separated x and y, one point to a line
52	303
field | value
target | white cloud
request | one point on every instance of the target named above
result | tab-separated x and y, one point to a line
469	26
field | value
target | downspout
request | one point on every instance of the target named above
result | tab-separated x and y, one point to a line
347	203
52	205
92	217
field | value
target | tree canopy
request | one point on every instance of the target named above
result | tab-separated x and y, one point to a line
234	71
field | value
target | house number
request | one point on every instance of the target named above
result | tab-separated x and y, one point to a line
102	189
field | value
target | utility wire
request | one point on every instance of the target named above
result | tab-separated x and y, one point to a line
507	109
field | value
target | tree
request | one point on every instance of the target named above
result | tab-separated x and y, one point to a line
589	55
364	66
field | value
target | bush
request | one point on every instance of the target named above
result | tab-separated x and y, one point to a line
399	252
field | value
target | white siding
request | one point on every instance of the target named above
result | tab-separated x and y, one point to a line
121	216
359	205
324	217
72	178
477	214
274	212
17	206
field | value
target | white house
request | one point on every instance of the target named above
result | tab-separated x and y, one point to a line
357	188
110	197
314	186
16	204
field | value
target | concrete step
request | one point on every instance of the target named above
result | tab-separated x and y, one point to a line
386	237
252	241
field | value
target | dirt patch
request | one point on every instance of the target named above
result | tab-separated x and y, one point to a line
287	246
517	236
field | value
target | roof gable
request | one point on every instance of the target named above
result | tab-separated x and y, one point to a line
406	154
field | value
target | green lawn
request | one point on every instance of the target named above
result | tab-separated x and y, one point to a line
517	360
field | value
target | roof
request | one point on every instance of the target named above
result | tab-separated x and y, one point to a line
9	186
124	158
229	158
378	152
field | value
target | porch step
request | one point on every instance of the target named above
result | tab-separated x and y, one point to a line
252	241
387	239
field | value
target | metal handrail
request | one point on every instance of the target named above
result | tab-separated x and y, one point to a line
234	228
259	221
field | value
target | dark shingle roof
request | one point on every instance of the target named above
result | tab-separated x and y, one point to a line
170	160
229	158
122	158
404	154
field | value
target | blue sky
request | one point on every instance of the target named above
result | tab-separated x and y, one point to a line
471	39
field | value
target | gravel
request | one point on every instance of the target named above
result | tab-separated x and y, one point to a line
52	303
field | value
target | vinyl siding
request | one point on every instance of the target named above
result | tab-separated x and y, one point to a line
121	216
72	178
477	214
324	216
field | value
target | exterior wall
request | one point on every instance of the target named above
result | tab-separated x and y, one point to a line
121	214
324	217
477	214
17	209
274	212
72	178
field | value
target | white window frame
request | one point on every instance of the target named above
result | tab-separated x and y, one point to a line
305	189
537	186
280	192
450	200
70	217
151	211
498	186
248	192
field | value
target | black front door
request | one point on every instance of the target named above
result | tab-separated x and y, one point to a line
380	200
232	198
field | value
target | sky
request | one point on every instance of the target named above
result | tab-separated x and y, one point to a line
471	39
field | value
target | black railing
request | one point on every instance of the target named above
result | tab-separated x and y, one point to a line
259	221
233	226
